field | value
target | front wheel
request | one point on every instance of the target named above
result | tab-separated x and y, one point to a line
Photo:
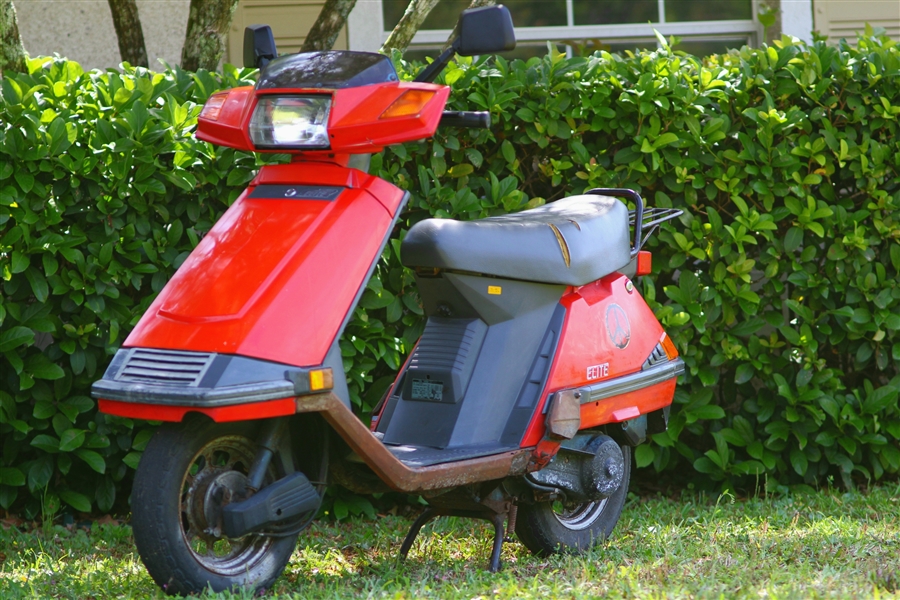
553	526
186	474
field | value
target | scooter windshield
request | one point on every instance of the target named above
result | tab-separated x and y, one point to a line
335	69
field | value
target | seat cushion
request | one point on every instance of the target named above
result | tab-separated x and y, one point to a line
572	241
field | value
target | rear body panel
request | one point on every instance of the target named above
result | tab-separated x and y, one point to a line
495	352
609	333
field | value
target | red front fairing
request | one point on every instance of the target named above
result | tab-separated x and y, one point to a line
356	122
275	278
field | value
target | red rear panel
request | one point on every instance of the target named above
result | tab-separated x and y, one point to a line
275	278
609	332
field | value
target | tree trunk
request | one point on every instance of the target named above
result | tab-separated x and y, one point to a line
455	32
327	27
12	52
412	19
204	42
129	31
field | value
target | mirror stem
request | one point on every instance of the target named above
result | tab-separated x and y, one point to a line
431	72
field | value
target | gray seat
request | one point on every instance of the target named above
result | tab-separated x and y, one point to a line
572	241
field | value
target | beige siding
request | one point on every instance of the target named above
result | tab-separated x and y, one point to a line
845	18
83	30
290	21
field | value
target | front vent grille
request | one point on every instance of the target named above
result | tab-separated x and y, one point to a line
656	357
165	367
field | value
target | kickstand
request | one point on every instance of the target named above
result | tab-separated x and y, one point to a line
428	515
431	513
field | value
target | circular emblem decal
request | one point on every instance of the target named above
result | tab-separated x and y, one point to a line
617	326
290	193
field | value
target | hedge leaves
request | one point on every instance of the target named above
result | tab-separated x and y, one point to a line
779	285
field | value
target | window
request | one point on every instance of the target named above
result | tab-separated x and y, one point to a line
703	26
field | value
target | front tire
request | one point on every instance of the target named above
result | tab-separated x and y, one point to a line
552	527
176	508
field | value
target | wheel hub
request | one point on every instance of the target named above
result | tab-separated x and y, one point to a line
217	479
217	490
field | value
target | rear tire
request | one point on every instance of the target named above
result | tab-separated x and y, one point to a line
175	503
552	527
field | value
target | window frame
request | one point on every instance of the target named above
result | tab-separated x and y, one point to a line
700	31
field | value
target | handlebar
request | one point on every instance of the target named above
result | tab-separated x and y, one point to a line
465	118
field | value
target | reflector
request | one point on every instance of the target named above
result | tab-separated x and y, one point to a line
669	346
644	263
321	379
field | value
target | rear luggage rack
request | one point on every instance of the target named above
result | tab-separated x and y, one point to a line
652	217
640	218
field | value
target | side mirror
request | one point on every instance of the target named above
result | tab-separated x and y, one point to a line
482	30
259	46
485	30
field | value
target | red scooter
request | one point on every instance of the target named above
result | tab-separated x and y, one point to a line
539	368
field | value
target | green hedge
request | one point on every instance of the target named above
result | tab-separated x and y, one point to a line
778	284
103	192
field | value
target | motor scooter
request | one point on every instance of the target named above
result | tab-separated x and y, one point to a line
539	368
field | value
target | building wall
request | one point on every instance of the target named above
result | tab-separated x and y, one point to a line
290	21
82	30
845	18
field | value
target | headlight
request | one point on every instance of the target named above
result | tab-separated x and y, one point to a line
291	122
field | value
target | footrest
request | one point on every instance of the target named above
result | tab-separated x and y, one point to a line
423	456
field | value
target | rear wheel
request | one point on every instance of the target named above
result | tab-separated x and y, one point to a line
188	472
553	526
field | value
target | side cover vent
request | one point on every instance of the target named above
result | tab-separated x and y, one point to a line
657	356
164	367
441	366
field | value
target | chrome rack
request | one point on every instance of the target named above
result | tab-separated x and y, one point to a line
640	218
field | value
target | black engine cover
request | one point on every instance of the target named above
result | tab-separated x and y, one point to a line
286	498
602	475
588	468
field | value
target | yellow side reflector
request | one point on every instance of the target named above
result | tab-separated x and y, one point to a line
411	102
321	379
495	290
669	346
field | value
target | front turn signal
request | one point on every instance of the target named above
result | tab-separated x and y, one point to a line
410	103
213	106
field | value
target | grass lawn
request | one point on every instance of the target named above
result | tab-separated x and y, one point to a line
830	544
